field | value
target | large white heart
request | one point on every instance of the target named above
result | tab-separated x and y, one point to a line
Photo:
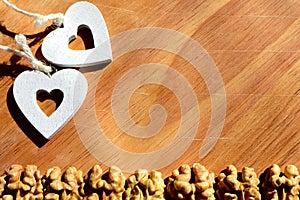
81	14
70	82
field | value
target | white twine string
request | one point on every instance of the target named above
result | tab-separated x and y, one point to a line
57	19
26	53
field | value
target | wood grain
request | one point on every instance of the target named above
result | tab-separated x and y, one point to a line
254	43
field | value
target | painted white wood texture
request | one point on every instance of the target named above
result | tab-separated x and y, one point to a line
81	14
71	82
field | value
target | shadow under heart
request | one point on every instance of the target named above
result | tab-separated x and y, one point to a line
30	131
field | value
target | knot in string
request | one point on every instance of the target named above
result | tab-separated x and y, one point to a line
57	19
36	64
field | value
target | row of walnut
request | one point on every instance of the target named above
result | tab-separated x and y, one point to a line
191	183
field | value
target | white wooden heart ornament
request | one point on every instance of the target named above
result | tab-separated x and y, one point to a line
81	14
71	82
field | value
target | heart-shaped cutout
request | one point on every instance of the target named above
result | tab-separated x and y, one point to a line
70	82
84	39
49	102
55	47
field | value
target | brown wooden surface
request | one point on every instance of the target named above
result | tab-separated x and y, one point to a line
255	45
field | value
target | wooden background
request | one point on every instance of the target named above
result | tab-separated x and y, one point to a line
254	43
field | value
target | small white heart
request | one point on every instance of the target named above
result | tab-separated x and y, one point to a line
81	14
70	82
